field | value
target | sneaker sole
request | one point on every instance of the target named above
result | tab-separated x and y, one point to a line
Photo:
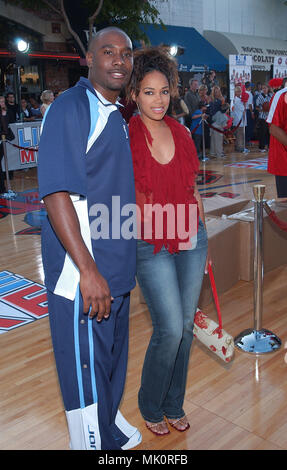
133	441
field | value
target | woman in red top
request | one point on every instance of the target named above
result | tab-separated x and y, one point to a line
172	240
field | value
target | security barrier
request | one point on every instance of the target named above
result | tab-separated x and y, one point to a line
258	340
9	194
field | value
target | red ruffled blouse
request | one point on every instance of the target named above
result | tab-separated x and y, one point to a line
165	192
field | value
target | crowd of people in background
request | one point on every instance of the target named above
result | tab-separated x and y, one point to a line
205	109
32	108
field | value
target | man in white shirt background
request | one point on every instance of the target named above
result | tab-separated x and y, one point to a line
249	114
239	119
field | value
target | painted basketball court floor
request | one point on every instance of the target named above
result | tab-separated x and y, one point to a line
237	406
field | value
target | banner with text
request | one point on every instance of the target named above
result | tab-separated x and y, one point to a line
280	67
22	151
239	71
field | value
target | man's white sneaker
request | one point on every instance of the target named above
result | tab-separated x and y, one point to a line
133	441
130	431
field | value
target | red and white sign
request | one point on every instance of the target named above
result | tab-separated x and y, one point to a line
22	301
280	67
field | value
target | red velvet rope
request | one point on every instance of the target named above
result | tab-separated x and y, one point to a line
280	223
227	130
196	127
35	149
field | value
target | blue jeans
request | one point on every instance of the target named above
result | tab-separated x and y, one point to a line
171	285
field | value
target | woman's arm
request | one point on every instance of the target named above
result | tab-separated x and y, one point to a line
196	116
202	216
200	204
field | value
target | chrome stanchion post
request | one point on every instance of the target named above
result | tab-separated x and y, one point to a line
258	340
9	194
204	157
258	191
4	143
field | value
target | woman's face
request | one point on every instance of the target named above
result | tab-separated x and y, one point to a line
2	102
50	98
216	92
154	96
202	91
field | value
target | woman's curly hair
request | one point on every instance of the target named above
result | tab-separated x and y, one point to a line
149	59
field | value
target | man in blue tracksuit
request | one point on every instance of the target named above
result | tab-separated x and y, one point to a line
85	165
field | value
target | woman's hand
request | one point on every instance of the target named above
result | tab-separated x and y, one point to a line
208	261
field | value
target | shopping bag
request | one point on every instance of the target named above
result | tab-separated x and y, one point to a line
210	333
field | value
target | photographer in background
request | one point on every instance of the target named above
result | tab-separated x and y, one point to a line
12	108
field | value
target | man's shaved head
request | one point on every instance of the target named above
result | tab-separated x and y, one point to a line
99	34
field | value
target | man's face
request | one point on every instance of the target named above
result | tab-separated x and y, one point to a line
11	99
110	63
194	85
